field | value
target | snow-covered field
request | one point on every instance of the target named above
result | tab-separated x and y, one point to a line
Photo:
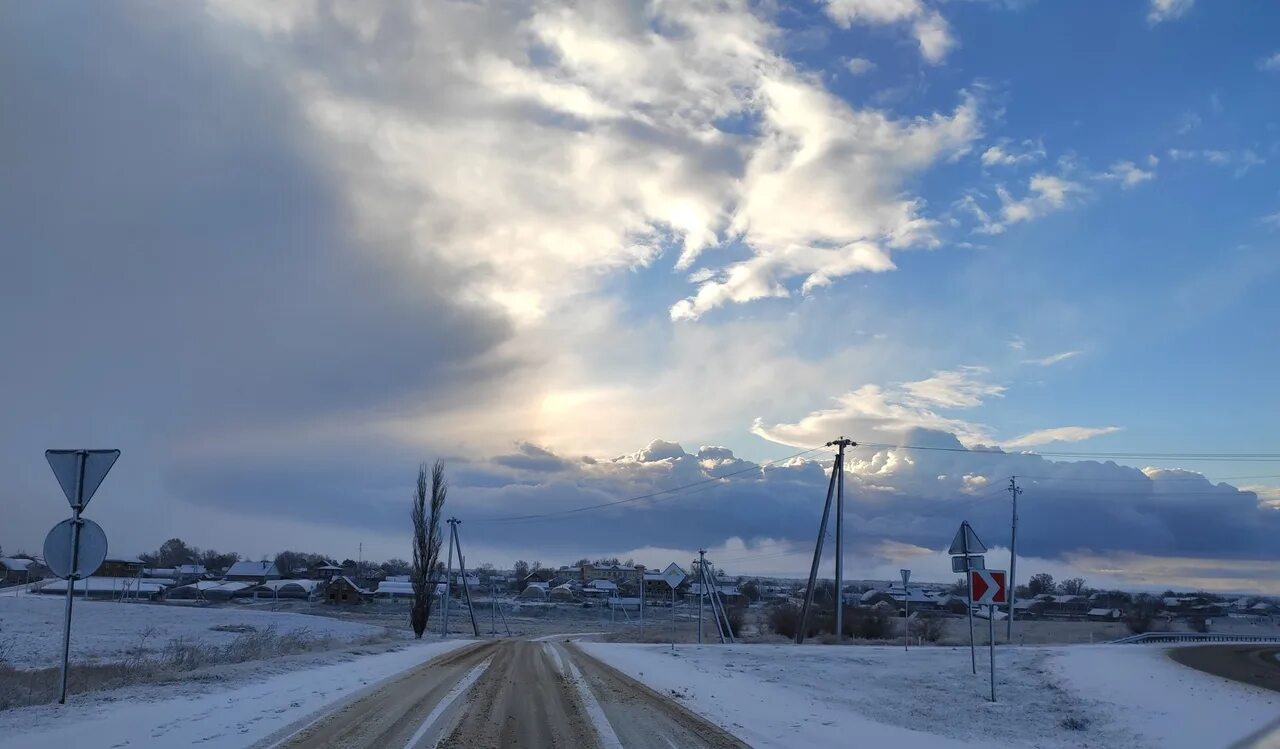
827	696
107	631
204	714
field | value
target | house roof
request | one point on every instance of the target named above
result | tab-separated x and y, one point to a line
307	585
16	564
252	569
108	584
603	585
1104	612
352	583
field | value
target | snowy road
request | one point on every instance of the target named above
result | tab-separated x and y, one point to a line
508	693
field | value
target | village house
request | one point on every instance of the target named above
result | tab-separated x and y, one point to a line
19	571
343	590
252	572
120	567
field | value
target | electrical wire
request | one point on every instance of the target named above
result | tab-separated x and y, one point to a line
1121	455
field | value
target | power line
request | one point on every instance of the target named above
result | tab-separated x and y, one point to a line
651	495
1148	479
1123	455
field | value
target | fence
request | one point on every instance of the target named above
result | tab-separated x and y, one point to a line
1191	637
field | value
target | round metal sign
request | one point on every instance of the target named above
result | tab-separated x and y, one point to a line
57	549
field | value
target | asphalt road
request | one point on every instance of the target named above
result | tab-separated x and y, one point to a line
1252	664
508	693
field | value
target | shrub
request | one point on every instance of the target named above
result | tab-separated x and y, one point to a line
874	623
928	629
785	620
1141	614
735	616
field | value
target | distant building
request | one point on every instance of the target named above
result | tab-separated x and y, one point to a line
120	567
616	573
324	571
257	572
343	590
18	571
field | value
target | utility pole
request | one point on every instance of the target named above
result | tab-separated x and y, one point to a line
817	556
448	583
842	443
462	570
702	589
1014	491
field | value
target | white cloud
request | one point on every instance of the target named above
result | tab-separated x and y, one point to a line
890	413
930	29
1167	10
859	65
1049	361
1272	220
1046	193
1057	434
1127	173
961	388
1018	343
1242	161
1271	63
822	193
541	147
1004	154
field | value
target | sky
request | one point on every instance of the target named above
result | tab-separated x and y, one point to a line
280	254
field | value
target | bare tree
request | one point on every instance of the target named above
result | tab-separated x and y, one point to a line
426	542
1072	586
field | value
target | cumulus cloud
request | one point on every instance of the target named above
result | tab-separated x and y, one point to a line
859	65
893	414
1046	193
1127	173
542	146
930	30
1167	10
1006	153
901	504
1270	63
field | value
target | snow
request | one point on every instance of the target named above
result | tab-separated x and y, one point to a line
213	718
110	630
1167	703
820	696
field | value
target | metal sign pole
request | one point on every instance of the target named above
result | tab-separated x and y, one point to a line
906	610
973	652
71	580
702	589
673	619
991	634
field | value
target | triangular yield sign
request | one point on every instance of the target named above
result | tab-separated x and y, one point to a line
966	542
66	467
977	586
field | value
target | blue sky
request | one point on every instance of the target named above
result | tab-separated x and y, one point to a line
548	241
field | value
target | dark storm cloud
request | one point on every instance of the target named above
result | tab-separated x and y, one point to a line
177	263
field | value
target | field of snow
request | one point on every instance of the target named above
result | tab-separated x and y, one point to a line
107	631
205	714
823	696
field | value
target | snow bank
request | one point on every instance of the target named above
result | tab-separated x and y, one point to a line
211	718
825	696
1167	703
108	630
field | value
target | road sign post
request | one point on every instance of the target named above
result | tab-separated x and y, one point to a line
673	575
906	610
79	473
991	645
965	545
989	588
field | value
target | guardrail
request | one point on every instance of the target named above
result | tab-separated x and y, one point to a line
1166	637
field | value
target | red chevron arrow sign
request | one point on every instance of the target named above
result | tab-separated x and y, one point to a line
987	587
